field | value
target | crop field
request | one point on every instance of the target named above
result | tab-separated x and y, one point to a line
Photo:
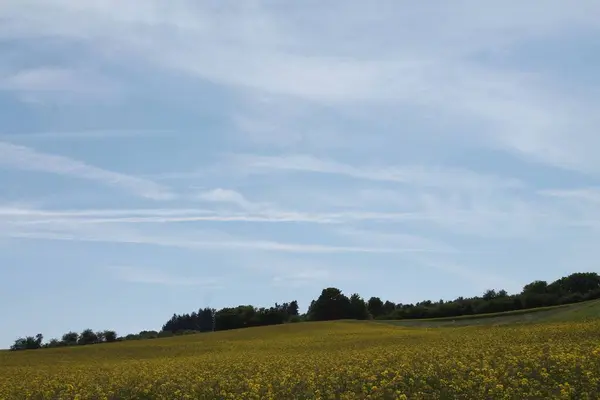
329	360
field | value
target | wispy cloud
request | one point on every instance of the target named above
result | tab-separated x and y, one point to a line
307	270
77	230
302	278
426	176
33	216
451	218
267	50
480	276
229	196
293	80
207	244
388	239
52	84
155	276
25	158
582	194
85	134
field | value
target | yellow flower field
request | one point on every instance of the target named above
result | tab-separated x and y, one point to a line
338	360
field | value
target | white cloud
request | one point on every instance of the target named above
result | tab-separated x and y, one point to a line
25	158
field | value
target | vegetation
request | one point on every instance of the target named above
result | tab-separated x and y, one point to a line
88	336
566	312
332	304
327	360
207	319
335	359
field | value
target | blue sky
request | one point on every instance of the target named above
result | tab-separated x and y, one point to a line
157	158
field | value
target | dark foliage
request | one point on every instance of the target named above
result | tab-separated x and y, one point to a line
332	304
243	316
574	288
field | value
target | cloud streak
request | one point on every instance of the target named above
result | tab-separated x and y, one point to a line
203	244
53	84
226	196
27	159
97	134
425	176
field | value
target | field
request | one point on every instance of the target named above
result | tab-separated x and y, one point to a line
329	360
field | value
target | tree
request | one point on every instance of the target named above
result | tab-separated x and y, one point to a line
88	336
28	343
293	309
100	337
54	343
358	307
536	287
581	282
375	306
331	305
110	336
70	338
489	294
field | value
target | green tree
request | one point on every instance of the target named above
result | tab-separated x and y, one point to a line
293	310
331	305
70	338
580	282
28	343
88	336
490	294
536	287
100	337
358	307
375	306
110	336
54	343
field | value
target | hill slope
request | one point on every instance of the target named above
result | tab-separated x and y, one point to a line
564	313
351	360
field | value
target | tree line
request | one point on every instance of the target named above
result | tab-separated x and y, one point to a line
332	304
243	316
88	336
574	288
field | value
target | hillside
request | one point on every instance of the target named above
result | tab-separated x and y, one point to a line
563	313
349	360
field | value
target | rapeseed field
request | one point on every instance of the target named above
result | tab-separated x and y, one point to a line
331	360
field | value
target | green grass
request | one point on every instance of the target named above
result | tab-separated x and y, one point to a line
562	313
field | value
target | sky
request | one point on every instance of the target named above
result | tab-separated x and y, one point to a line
158	157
